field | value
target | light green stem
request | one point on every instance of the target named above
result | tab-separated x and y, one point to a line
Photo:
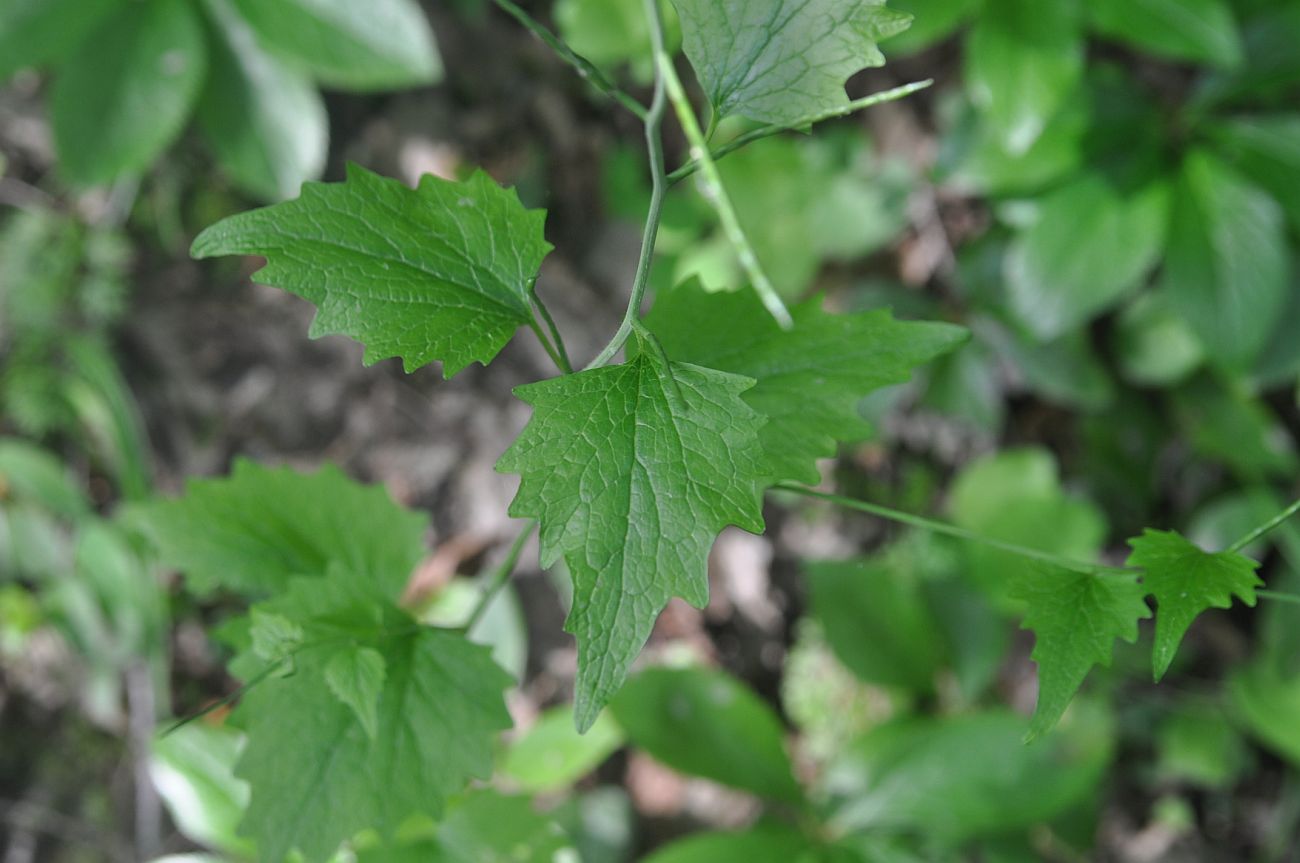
716	194
500	576
659	186
935	526
1266	527
768	131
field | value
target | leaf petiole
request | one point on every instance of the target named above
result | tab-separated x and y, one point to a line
1265	528
500	576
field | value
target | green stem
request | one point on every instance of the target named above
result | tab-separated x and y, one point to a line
655	146
585	67
935	526
546	343
1279	596
716	194
767	131
1264	528
500	577
563	360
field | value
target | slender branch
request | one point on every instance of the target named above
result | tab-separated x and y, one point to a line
935	526
655	146
500	577
1279	596
716	194
775	129
1264	528
563	360
585	67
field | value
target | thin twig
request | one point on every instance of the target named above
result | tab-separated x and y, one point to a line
563	361
659	185
1264	528
585	67
500	577
935	526
775	129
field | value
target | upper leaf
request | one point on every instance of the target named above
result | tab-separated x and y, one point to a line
632	470
1186	581
259	527
440	272
327	758
778	61
1075	617
362	46
703	722
126	92
811	378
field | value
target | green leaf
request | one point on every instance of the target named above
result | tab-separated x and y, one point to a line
705	723
779	62
274	636
1198	745
1266	148
1226	266
552	755
29	473
810	379
440	272
1024	62
193	769
255	530
126	93
932	21
265	122
766	843
378	45
356	677
877	621
632	471
1185	582
1154	345
1076	618
1091	245
1201	31
318	774
41	32
961	777
1234	427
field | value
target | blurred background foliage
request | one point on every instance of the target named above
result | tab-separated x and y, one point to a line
1106	193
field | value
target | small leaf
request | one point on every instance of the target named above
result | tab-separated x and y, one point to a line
1076	618
1226	266
376	45
1267	149
265	122
440	272
1185	582
551	755
125	94
811	378
1201	31
705	723
778	62
275	637
1024	62
254	530
632	471
356	676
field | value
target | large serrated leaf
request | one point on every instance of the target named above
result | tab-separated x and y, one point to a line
440	272
779	61
632	471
